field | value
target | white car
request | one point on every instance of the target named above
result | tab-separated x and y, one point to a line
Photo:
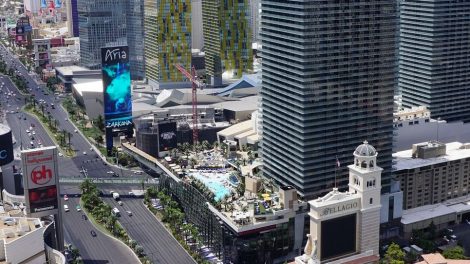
110	172
60	154
76	131
34	132
84	152
138	172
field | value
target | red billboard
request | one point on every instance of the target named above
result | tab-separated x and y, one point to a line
40	181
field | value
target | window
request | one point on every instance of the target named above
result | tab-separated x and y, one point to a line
371	201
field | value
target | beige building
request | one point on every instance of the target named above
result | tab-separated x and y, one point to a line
352	217
432	172
437	258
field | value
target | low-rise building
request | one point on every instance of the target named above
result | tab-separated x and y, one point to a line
42	52
22	239
437	258
432	172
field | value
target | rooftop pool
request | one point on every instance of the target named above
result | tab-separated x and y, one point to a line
219	182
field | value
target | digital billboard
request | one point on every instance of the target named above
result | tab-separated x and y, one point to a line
117	87
40	177
166	136
338	229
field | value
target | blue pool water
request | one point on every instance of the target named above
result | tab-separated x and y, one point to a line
214	184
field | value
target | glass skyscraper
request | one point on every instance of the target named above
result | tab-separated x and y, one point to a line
435	57
227	38
111	23
167	39
135	37
329	74
101	23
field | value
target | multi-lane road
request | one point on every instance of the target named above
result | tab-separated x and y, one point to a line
158	244
77	227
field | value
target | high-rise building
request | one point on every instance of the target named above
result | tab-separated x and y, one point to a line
227	38
135	37
197	36
167	39
150	40
434	57
72	18
102	23
328	82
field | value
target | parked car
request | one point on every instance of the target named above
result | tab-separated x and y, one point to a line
93	233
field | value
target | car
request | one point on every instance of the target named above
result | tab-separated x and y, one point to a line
34	133
129	213
66	208
93	233
131	194
60	154
91	149
76	131
24	118
27	130
138	172
78	208
84	217
66	119
468	221
66	198
84	152
450	230
110	172
115	175
454	237
120	203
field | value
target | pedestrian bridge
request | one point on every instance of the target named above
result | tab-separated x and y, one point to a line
133	180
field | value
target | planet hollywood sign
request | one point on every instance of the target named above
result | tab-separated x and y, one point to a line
339	208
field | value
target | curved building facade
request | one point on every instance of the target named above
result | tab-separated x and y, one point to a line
6	145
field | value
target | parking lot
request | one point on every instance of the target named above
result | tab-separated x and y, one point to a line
462	231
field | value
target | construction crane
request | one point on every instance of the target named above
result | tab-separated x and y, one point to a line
195	83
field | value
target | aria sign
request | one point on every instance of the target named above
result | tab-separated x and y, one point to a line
339	208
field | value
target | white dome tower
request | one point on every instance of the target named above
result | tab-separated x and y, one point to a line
365	180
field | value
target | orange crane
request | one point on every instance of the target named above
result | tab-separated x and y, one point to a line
196	83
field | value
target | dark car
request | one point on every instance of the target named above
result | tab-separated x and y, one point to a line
84	217
93	233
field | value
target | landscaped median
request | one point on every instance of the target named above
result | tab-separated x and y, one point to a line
173	218
100	214
51	127
93	131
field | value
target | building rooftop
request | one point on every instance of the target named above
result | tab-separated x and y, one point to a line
68	70
421	213
403	159
437	258
93	86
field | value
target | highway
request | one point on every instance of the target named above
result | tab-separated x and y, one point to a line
90	161
100	249
158	244
94	250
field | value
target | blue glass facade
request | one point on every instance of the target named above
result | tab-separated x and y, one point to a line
329	74
435	57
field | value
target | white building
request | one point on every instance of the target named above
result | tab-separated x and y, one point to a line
352	217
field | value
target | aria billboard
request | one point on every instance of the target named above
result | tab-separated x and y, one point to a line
117	87
41	178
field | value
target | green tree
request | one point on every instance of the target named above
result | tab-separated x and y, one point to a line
99	122
456	252
394	255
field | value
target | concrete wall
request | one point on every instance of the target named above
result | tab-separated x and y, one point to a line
25	247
